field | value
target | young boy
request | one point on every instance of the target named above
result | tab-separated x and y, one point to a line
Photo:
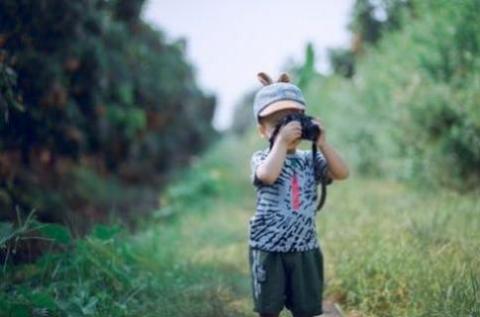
286	263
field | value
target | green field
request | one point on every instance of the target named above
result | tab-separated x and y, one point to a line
390	250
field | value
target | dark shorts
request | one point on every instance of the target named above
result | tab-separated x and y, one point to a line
290	279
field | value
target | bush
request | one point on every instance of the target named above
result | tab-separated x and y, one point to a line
411	110
89	85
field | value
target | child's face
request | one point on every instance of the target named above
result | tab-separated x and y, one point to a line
267	125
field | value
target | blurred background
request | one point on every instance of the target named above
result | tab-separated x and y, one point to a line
126	130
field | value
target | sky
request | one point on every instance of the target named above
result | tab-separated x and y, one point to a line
229	42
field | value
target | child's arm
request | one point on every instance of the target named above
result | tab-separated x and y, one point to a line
337	169
269	170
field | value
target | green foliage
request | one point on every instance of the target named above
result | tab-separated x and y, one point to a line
8	97
307	71
432	91
104	232
411	111
407	253
11	235
111	273
207	179
88	84
56	232
342	61
242	114
370	21
372	18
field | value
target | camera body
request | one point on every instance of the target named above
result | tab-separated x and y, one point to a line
310	131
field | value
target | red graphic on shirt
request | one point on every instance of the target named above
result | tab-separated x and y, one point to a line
295	193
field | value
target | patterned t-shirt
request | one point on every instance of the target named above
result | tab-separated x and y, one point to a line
285	217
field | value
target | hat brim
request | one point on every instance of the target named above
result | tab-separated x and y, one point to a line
280	105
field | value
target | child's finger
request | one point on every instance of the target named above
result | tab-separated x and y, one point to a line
294	128
298	125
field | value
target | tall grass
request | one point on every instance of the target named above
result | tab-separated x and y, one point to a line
396	252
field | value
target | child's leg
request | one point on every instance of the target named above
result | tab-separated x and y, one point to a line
267	281
304	282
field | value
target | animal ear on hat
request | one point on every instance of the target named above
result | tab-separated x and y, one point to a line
283	78
264	78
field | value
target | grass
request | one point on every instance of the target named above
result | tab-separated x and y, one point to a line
390	250
396	252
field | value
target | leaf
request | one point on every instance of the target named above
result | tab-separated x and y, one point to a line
20	310
104	232
42	300
91	306
56	232
6	230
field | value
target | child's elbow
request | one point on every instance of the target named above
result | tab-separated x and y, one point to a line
339	175
343	174
264	176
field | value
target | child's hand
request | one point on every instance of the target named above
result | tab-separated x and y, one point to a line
322	138
290	132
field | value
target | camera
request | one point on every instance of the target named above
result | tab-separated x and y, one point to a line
310	131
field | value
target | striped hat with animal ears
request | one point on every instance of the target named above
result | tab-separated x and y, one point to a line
269	98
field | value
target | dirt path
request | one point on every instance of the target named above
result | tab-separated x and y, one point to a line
330	309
